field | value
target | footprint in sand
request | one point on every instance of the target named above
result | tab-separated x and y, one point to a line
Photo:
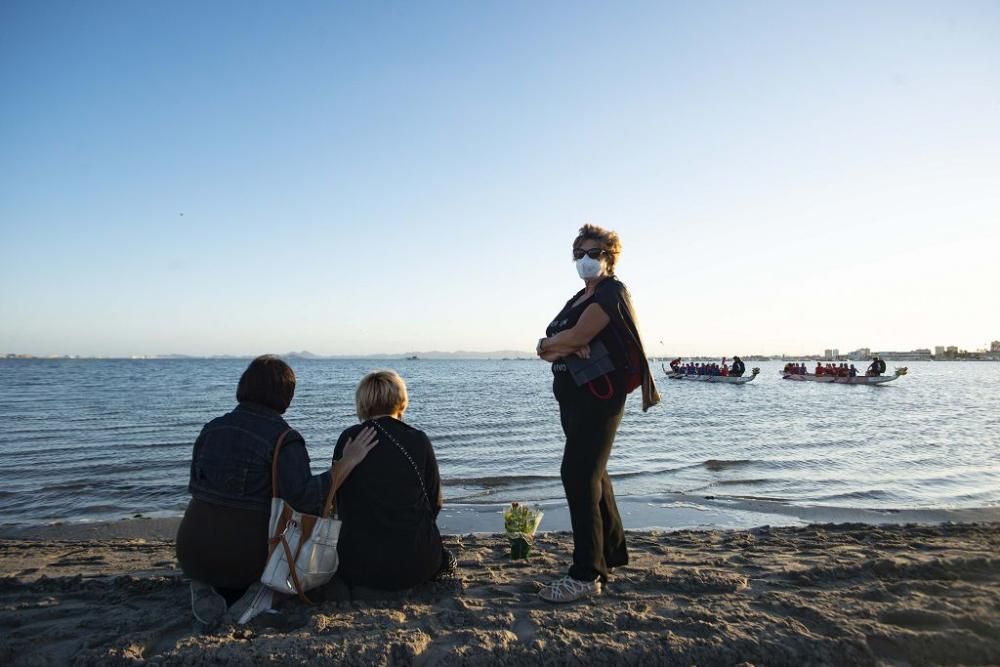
79	560
525	629
916	619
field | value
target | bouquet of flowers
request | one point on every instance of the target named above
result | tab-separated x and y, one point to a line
521	522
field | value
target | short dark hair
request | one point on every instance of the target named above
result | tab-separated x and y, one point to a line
267	381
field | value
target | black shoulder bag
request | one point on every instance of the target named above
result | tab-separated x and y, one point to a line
588	370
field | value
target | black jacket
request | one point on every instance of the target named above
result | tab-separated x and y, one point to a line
390	539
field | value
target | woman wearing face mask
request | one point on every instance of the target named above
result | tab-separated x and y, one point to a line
598	325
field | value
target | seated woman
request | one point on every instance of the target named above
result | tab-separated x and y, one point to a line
390	539
222	539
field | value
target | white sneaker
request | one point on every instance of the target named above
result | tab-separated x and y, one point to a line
569	589
207	605
255	600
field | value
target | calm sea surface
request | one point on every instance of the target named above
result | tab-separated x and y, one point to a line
104	439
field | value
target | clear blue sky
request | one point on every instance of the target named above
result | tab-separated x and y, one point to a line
369	177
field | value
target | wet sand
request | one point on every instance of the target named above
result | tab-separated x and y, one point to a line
848	594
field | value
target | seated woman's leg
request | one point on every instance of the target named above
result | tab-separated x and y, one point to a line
222	546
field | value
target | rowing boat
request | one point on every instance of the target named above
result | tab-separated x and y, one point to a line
833	379
726	379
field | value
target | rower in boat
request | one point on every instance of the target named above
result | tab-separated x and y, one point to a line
876	368
675	365
738	368
792	368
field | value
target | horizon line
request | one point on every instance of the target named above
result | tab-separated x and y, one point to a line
471	354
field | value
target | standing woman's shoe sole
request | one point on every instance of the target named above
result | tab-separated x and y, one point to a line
569	589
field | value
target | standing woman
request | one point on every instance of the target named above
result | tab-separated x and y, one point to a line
596	329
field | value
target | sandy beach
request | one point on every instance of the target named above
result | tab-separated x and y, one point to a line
848	594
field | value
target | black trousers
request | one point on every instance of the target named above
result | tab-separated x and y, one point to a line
590	424
222	546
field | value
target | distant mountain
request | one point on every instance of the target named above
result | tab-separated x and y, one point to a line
433	354
304	354
460	354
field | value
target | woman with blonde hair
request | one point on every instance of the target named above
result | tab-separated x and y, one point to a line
390	539
598	359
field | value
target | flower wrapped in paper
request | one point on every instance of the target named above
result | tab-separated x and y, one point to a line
520	522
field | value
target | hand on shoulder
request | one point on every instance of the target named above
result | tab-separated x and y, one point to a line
357	448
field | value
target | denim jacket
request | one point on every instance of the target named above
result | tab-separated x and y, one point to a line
231	463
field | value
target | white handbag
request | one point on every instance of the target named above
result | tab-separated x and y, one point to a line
302	548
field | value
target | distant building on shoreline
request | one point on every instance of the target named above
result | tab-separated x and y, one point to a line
953	353
921	354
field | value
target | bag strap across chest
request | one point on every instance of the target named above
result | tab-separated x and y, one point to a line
420	478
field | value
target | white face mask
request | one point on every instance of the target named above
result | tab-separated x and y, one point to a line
589	268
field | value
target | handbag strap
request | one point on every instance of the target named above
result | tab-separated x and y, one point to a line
273	541
292	572
275	492
329	505
416	470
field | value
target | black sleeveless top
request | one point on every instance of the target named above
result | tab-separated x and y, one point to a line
609	294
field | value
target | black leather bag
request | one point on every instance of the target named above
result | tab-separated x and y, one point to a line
588	370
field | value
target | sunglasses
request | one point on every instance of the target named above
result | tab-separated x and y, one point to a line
593	253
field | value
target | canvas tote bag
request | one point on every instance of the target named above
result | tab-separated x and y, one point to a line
302	548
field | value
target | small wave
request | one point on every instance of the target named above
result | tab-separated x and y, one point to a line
742	482
510	480
649	473
502	480
67	486
871	494
723	464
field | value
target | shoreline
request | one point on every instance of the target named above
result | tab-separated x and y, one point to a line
819	594
669	512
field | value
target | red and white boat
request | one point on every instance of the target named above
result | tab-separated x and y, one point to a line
836	379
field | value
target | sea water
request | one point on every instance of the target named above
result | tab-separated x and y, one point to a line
106	439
